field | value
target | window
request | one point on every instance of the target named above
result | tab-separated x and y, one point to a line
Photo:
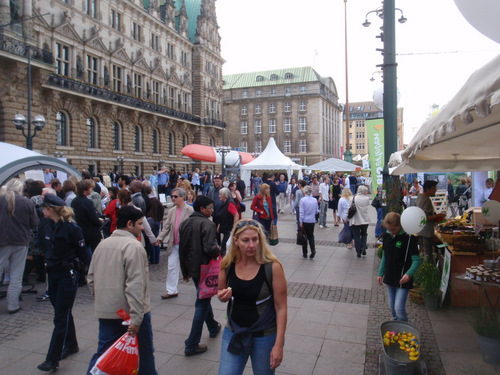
184	59
302	124
302	105
138	139
136	31
184	140
287	146
287	107
258	93
273	92
243	109
156	92
274	77
62	129
116	20
138	85
212	142
92	69
117	136
171	97
360	124
156	141
92	133
258	109
171	143
287	125
91	8
302	145
272	126
258	127
272	107
244	127
258	147
243	146
288	91
244	94
288	75
259	79
170	51
117	78
62	59
302	89
155	42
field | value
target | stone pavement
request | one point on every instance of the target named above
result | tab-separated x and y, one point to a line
335	308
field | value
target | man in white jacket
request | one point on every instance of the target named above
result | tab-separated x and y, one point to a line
119	279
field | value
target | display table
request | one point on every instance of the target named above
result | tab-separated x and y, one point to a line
463	293
491	291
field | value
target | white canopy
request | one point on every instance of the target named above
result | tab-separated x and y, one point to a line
334	165
464	135
271	159
16	160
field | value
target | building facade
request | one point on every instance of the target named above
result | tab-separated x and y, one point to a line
359	113
122	84
296	106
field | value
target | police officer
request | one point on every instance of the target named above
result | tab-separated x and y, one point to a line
64	256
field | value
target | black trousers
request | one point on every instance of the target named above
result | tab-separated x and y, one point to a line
309	231
62	291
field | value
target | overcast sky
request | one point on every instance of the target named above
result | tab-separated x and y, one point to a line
437	48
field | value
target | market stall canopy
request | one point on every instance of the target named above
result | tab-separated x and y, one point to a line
16	160
271	159
334	165
464	135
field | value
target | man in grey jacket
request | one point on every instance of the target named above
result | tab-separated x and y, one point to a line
119	279
198	245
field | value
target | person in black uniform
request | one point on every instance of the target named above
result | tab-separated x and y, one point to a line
65	244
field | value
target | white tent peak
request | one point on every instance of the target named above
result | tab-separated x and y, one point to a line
272	158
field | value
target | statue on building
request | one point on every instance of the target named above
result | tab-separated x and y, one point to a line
129	84
106	76
14	10
148	91
79	67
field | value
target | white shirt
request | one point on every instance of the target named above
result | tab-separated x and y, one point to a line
324	188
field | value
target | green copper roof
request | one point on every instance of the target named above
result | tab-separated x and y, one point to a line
271	77
193	8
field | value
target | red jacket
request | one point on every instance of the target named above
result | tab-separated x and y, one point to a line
111	212
258	206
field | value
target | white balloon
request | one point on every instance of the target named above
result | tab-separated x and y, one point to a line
491	211
413	220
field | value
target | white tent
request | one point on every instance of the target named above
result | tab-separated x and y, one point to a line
271	159
464	135
16	160
334	165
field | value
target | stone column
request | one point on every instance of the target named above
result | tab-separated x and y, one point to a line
27	25
4	12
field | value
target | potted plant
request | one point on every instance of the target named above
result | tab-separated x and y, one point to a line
428	276
486	323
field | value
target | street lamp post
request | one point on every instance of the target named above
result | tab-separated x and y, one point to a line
120	160
223	151
347	152
389	68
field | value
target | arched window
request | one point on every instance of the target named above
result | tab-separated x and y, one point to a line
62	129
138	139
259	78
274	77
171	143
156	141
117	136
288	75
212	142
92	141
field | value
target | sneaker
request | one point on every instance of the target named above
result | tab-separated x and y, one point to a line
321	226
202	348
44	297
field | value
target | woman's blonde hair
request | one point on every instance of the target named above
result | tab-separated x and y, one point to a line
346	193
265	186
65	213
392	219
263	254
10	189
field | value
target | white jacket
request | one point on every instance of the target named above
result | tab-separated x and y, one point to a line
363	203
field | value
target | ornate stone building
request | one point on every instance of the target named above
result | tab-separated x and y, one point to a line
296	106
122	83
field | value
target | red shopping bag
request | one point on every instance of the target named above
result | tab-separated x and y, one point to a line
122	358
209	278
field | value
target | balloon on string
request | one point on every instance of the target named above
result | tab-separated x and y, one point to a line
413	220
491	211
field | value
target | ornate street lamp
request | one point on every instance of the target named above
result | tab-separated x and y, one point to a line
20	122
120	160
223	151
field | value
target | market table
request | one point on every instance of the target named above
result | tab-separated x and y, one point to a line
491	290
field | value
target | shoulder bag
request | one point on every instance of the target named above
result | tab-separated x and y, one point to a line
352	209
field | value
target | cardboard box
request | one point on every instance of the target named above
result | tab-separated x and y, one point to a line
476	217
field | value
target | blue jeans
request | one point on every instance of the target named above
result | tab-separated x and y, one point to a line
397	300
379	228
360	235
111	330
202	314
234	364
206	187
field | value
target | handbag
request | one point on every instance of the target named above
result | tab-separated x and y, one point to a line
273	236
352	209
209	278
243	207
345	235
375	202
301	238
255	216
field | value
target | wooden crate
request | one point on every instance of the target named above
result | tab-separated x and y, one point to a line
440	201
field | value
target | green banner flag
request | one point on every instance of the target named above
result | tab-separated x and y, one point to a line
375	130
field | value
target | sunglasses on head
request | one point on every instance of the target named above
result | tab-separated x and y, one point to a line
249	222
